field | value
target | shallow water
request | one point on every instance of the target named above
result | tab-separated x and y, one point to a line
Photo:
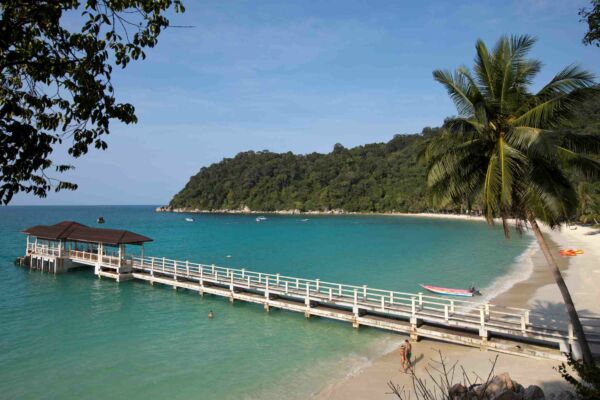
74	336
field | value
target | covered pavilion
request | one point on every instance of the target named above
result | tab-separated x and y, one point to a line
57	247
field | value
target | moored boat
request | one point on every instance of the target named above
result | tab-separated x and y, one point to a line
188	219
451	291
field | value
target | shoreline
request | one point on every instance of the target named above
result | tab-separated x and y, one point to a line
534	288
528	284
248	211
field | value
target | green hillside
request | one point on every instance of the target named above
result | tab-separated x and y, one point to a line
375	177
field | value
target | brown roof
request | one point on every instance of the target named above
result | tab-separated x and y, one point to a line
69	230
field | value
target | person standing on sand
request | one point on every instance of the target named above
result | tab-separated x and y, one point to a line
405	354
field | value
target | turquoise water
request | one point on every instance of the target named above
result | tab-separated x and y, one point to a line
73	336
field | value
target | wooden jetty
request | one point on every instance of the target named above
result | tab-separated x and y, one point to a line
511	330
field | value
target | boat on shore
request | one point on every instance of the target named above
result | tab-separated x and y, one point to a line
451	291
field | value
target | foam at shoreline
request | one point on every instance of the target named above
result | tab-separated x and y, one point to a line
520	271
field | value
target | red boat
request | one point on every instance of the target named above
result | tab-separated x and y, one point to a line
451	292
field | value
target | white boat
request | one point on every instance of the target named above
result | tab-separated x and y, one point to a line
259	219
304	220
188	219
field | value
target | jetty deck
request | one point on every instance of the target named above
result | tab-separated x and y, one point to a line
511	330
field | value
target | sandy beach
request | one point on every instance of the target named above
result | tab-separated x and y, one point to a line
536	291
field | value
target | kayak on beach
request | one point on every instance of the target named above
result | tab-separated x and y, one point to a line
570	252
451	292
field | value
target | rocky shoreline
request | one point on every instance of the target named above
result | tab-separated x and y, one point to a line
247	210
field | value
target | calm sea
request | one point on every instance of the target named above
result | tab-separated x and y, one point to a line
73	336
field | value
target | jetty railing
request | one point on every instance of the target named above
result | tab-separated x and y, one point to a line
43	250
456	312
441	311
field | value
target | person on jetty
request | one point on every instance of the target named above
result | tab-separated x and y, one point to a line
405	355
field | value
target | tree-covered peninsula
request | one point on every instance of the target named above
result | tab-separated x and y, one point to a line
378	177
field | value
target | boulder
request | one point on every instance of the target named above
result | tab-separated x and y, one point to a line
457	391
507	395
533	392
499	384
564	395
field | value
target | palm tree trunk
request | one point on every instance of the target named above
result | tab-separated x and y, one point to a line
577	328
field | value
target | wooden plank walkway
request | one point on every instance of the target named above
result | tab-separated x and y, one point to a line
488	326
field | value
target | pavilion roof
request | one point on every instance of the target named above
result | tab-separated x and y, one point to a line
74	231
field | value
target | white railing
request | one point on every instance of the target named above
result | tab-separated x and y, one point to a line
43	250
466	313
107	258
490	317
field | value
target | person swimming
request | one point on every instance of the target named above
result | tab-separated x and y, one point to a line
210	314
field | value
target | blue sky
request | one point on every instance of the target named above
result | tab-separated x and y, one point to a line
299	76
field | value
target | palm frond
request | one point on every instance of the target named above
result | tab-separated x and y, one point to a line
587	144
569	79
458	89
588	167
521	45
484	69
548	113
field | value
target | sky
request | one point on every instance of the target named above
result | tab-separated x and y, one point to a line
298	76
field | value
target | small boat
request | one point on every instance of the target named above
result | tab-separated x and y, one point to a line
188	219
259	219
452	292
304	220
100	220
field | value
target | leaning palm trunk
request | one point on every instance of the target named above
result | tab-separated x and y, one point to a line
504	150
564	291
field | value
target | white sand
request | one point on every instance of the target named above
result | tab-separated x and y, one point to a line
538	292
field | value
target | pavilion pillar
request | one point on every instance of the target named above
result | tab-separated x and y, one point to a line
120	255
27	248
99	259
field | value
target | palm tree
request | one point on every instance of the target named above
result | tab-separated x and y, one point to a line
501	149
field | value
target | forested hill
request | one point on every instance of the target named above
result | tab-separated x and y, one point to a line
375	177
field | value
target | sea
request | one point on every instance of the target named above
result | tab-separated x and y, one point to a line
74	336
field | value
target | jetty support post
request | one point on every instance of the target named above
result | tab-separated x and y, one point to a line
267	296
483	332
414	321
201	280
355	310
175	274
307	301
152	271
575	348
